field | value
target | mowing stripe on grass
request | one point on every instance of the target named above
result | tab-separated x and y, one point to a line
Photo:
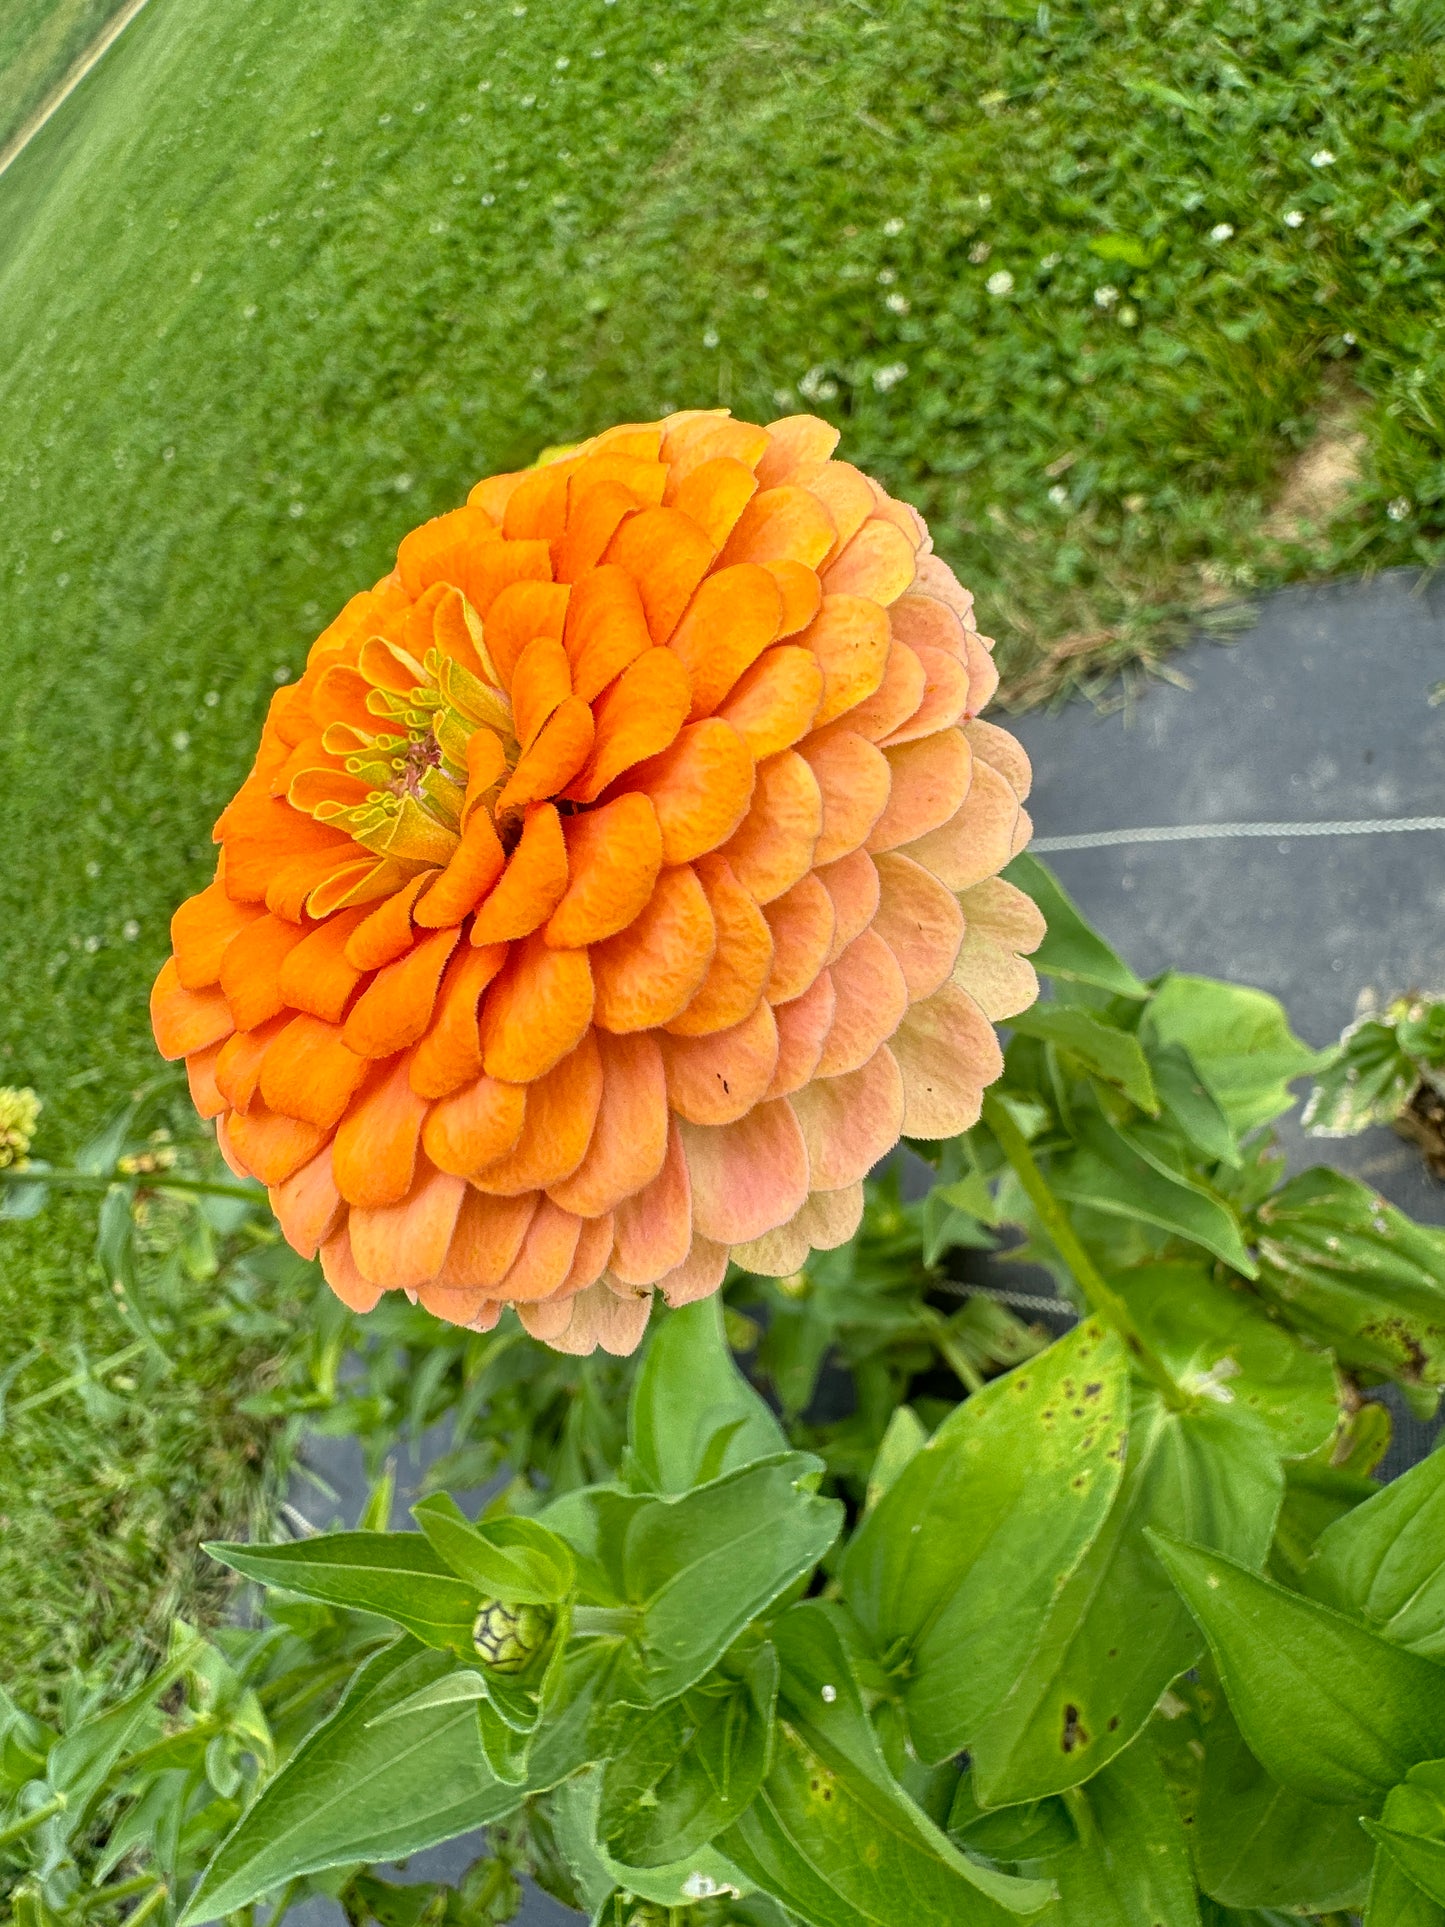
98	47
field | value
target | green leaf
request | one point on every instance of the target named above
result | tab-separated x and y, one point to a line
515	1559
1260	1844
1118	1172
1110	1053
1413	1828
359	1790
574	1809
1072	949
831	1835
703	1564
687	1770
395	1574
1240	1041
1367	1081
1348	1267
904	1439
79	1763
1385	1561
1130	1864
693	1415
1128	248
1220	1343
1395	1900
1118	1633
954	1574
1189	1104
1324	1704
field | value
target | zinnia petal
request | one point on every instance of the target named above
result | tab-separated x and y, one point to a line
617	883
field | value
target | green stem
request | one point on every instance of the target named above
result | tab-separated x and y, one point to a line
153	1902
108	1896
592	1621
1099	1293
143	1180
28	1822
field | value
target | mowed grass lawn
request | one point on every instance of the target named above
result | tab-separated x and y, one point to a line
279	282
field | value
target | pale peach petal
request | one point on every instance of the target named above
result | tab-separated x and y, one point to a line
308	1205
852	883
654	1225
775	703
698	1276
877	563
700	788
827	1219
746	1177
803	1025
485	1242
773	847
777	1254
589	1261
848	497
982	671
948	1054
546	1255
740	963
406	1243
946	698
919	920
850	638
802	921
922	621
473	1310
930	781
549	1317
600	1317
979	840
831	1217
718	1078
561	1111
794	442
338	1268
849	1122
1005	753
932	576
629	1142
650	972
871	998
1001	923
854	781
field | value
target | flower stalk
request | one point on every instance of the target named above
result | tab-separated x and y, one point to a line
1099	1294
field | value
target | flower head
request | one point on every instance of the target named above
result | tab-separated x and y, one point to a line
614	887
19	1114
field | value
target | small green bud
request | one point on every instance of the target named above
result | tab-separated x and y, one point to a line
510	1637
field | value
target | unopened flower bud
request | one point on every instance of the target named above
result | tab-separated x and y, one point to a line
510	1637
19	1113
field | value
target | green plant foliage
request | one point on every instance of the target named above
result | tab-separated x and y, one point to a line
1110	1628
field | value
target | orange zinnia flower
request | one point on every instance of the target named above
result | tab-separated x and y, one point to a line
614	888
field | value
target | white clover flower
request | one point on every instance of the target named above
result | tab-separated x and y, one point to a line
1221	231
1000	282
979	252
1059	495
1322	157
1350	341
1399	509
1294	218
894	225
898	303
889	376
1106	296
